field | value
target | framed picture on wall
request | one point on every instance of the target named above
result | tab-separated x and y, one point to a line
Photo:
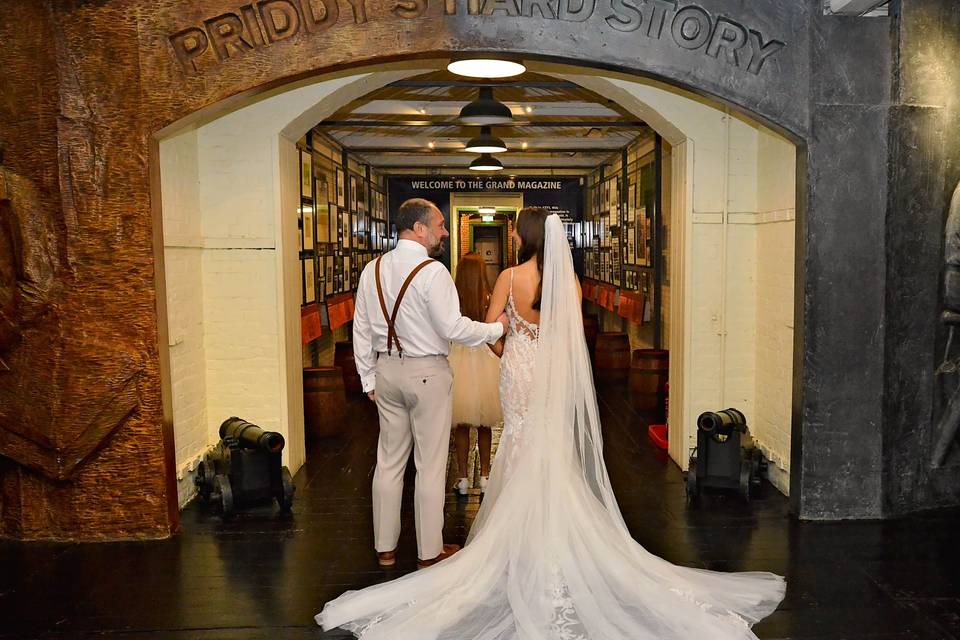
346	272
309	281
308	228
353	194
321	206
328	280
341	192
306	174
361	196
665	256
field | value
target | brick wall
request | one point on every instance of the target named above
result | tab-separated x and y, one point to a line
234	324
184	279
776	237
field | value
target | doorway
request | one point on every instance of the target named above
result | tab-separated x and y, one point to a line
488	241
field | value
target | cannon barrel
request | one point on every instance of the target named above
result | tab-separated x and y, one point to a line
722	422
250	436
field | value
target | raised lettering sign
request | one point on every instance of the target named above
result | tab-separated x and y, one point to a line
265	22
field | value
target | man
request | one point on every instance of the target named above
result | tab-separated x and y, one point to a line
407	313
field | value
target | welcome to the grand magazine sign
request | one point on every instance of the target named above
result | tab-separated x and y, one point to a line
688	26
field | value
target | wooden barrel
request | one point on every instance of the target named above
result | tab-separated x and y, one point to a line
591	327
649	372
343	358
612	359
324	402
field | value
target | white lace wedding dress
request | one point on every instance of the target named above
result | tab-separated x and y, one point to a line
549	556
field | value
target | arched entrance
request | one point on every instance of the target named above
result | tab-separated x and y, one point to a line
249	156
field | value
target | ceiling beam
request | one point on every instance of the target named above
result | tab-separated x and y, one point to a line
512	84
465	168
438	151
586	124
855	7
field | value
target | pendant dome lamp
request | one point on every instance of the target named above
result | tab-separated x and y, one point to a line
486	142
485	110
485	68
486	162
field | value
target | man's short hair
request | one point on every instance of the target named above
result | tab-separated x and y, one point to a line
413	211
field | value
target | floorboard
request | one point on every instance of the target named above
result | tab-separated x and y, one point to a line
264	576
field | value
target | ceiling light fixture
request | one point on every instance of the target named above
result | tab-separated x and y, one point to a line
487	210
486	68
485	110
431	144
486	218
486	142
528	109
524	145
486	162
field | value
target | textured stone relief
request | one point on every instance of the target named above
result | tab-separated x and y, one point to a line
950	420
62	392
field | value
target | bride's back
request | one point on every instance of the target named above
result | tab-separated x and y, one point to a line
526	282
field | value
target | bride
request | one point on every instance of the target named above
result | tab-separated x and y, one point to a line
549	556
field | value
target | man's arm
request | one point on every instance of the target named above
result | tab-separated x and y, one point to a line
363	352
444	306
498	302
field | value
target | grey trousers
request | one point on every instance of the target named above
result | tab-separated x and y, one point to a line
415	402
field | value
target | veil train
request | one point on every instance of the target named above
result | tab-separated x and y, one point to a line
549	556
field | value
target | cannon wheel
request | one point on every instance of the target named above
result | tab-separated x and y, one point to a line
286	499
692	486
203	480
756	472
222	483
745	468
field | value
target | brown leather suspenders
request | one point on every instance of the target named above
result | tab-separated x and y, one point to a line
392	318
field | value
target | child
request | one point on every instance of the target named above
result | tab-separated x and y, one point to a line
476	375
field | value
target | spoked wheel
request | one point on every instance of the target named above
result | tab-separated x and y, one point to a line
692	486
285	500
756	472
222	483
204	480
745	483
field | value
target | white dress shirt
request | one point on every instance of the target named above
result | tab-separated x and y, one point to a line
429	317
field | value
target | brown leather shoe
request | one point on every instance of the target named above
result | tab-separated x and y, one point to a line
387	558
448	550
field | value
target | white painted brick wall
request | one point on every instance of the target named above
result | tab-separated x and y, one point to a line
184	293
776	237
234	321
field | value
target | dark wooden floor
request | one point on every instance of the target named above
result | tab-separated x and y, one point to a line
264	577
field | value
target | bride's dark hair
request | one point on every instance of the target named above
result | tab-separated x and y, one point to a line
531	225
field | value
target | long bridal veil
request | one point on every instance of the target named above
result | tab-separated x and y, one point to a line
549	555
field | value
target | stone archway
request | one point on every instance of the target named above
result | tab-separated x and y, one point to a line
187	59
87	153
